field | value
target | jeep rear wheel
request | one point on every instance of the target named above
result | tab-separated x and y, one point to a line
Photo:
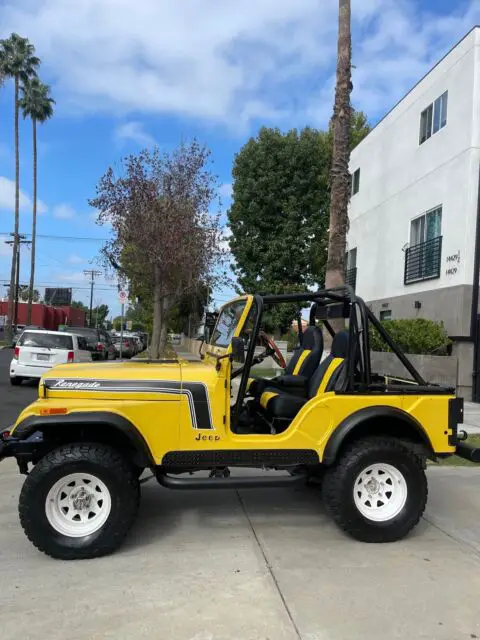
79	501
377	490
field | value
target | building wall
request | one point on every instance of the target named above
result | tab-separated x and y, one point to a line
401	179
47	317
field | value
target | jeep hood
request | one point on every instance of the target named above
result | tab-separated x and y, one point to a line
109	376
116	377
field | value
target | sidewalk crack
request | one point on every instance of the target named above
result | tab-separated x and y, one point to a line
269	566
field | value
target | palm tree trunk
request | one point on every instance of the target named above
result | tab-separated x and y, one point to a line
11	293
340	177
34	223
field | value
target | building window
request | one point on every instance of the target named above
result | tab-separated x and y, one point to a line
423	256
351	268
356	182
385	315
434	117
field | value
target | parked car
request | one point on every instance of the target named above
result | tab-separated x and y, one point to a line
128	350
99	342
138	343
38	350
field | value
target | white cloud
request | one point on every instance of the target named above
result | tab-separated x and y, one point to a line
225	190
133	131
63	211
74	259
7	198
231	62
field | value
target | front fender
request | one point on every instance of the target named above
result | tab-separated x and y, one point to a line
26	427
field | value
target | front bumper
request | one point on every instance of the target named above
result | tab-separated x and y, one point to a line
30	449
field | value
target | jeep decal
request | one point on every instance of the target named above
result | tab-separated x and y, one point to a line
195	392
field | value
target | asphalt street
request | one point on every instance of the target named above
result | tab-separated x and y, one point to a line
13	399
246	565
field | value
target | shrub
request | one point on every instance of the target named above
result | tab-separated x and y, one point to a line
413	335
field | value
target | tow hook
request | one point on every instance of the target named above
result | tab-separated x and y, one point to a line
462	435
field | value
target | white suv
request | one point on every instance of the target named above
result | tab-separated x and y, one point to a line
37	351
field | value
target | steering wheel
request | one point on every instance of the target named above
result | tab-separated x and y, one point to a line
272	349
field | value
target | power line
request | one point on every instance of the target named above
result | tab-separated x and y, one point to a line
50	237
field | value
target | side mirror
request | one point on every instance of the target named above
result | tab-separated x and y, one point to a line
238	350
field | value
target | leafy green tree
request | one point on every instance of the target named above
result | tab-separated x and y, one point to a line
26	294
76	304
100	314
37	105
280	212
17	61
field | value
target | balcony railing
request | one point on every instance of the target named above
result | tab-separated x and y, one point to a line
422	261
351	277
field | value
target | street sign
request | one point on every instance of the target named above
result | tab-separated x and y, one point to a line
129	325
122	297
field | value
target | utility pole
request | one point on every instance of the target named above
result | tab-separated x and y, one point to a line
20	240
93	274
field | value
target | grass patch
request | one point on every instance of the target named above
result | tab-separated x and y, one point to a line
456	461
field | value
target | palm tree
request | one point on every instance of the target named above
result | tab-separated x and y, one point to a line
340	177
36	104
18	61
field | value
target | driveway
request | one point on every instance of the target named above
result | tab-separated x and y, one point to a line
247	565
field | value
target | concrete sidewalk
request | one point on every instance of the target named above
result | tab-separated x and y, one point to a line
471	418
251	565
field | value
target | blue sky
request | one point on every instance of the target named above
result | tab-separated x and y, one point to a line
130	74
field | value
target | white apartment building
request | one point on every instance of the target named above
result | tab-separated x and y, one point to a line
415	208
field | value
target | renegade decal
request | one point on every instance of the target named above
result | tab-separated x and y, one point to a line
196	393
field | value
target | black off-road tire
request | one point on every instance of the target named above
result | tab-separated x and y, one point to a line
16	381
339	482
102	461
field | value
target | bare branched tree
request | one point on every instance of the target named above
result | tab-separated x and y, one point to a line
165	240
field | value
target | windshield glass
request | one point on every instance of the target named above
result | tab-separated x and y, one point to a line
227	323
48	340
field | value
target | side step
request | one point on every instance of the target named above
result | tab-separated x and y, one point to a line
228	483
468	452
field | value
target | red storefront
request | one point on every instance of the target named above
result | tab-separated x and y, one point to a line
47	317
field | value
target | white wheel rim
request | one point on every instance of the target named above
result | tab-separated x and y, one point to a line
380	492
78	505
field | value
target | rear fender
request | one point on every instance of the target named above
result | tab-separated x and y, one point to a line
370	421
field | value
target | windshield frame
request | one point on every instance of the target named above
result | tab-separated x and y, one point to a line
225	349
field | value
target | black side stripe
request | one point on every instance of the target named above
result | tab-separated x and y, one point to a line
195	392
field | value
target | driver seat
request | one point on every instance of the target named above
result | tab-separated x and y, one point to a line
280	407
298	371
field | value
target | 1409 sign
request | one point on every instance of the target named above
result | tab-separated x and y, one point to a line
453	260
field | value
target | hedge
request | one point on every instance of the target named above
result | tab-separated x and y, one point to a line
413	335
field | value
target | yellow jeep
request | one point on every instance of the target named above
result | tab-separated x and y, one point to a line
95	428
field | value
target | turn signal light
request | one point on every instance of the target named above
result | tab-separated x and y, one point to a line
70	357
16	353
54	411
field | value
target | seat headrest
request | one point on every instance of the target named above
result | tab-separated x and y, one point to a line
340	345
312	338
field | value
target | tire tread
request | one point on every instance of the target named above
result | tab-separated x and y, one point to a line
104	456
335	476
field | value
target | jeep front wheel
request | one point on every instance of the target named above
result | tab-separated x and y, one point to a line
377	490
79	501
